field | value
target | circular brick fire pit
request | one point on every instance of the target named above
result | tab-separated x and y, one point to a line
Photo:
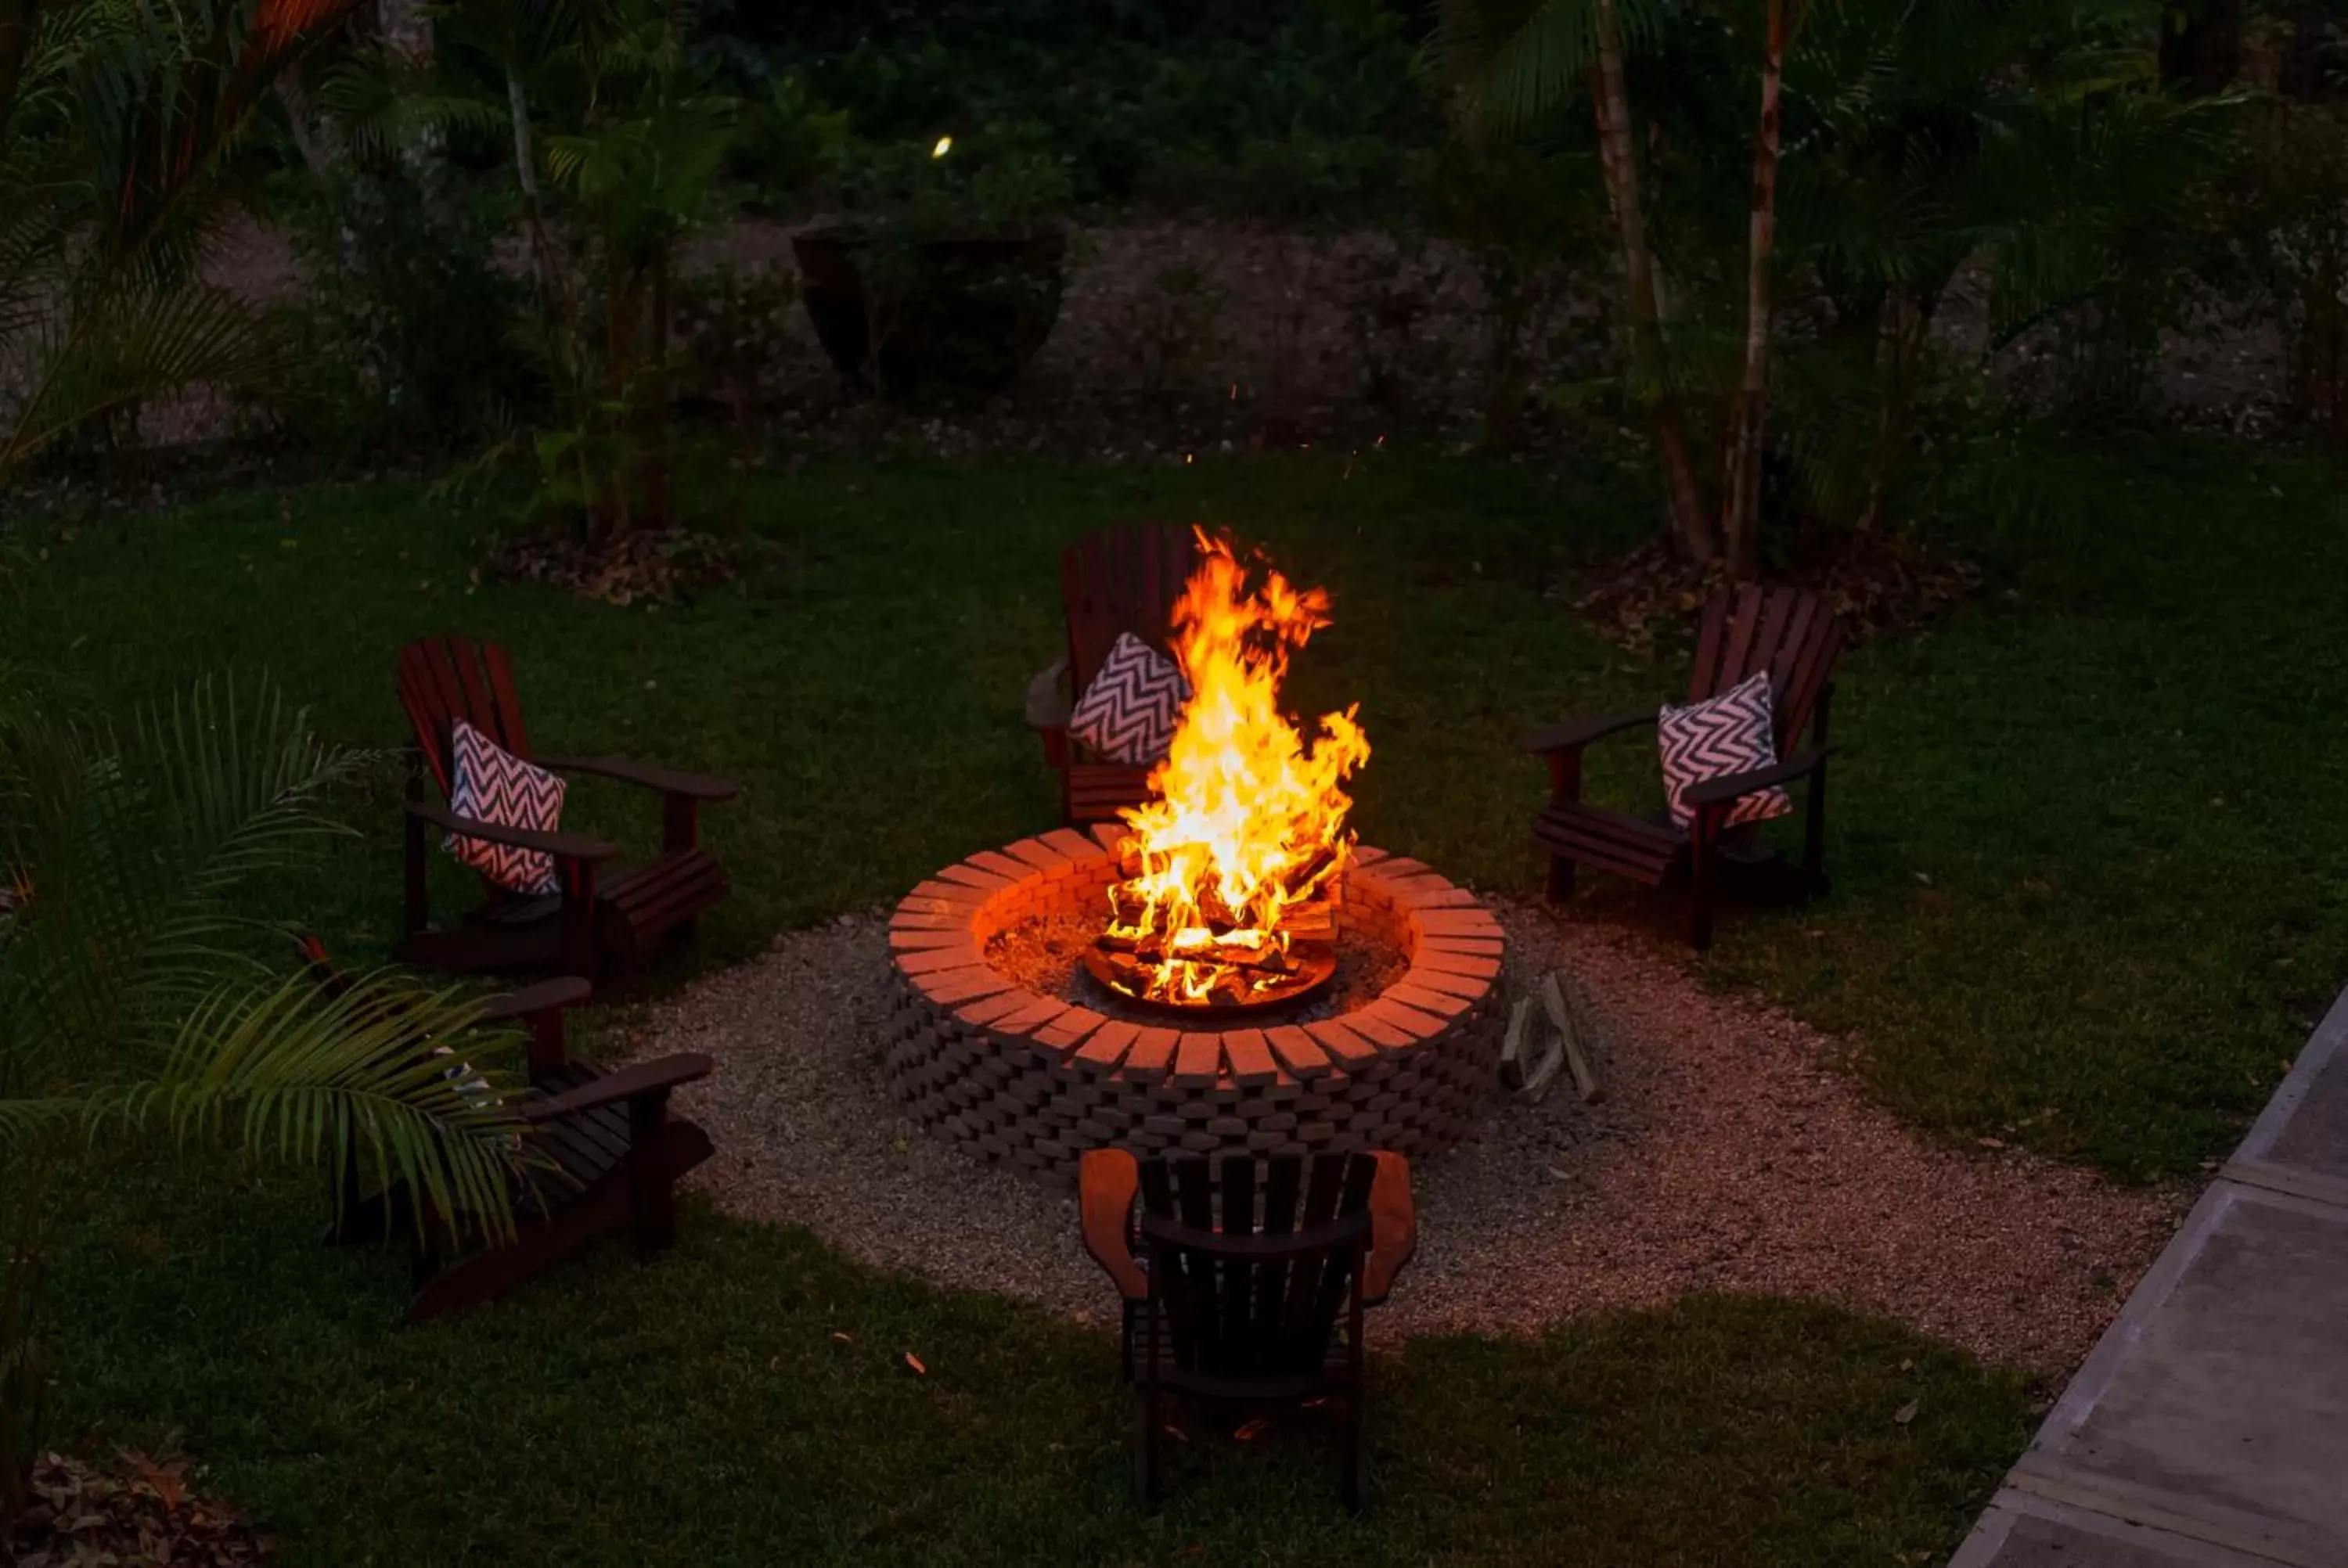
1034	1081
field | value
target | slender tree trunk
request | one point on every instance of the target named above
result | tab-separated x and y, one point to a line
659	469
1740	511
1692	533
2201	46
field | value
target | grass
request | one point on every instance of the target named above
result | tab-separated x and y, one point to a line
747	1400
2080	843
2081	834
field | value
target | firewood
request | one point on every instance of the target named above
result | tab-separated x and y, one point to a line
1538	1080
1512	1046
1560	1013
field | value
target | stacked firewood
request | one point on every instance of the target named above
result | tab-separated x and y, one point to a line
1135	943
1544	1035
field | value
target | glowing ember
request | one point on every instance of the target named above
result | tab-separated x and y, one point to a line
1236	859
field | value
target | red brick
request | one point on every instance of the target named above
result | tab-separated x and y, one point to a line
929	960
1468	922
1342	1042
1409	993
1070	1028
1030	1018
969	875
1153	1051
1378	1032
1107	1046
1369	854
907	919
1037	854
1387	1010
1072	843
951	986
1198	1060
986	1009
1109	835
1297	1051
1483	967
1001	865
1249	1057
1466	947
937	897
913	940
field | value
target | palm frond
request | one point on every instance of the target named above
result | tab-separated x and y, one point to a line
289	1071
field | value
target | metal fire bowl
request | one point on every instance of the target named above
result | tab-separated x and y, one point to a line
1316	963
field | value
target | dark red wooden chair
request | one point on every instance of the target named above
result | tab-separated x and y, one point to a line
613	1157
1790	632
1244	1282
1122	578
609	916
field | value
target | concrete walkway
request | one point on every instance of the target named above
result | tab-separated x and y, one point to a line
2210	1427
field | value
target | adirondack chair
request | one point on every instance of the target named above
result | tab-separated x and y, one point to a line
608	917
1232	1292
1122	578
616	1156
1790	632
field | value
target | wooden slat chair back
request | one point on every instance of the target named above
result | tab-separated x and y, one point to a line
1245	1280
1791	633
451	677
606	917
1123	579
1251	1290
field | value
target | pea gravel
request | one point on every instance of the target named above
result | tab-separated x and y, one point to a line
1725	1155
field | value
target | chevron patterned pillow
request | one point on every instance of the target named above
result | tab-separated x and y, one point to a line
492	785
1718	737
1129	713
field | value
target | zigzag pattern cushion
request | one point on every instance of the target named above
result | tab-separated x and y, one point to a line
1718	737
492	785
1129	713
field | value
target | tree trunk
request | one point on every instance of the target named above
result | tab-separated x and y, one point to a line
659	467
1693	534
1740	516
2201	46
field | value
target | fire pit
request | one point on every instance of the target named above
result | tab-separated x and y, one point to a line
1226	969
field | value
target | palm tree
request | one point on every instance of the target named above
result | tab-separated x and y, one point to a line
115	117
137	1022
1895	142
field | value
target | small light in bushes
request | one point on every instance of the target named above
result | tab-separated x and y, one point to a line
945	145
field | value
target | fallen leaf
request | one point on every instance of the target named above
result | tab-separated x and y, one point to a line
1991	1142
843	1338
1251	1431
1906	1413
915	1363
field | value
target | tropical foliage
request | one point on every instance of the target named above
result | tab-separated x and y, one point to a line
1796	257
138	1022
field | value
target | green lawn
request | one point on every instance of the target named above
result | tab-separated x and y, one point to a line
2082	902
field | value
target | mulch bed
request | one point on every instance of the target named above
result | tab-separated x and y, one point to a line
127	1507
1881	583
659	566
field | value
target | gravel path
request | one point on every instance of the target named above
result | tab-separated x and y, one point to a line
1726	1156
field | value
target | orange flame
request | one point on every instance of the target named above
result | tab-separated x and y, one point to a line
1248	820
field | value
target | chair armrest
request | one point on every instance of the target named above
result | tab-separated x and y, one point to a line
668	781
1107	1180
1394	1226
547	996
1049	701
1735	786
1575	733
564	845
628	1083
